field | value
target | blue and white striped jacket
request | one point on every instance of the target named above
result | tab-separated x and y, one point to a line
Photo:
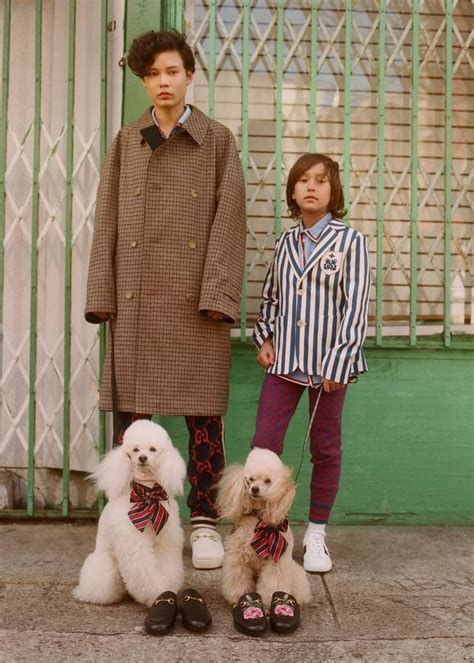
316	315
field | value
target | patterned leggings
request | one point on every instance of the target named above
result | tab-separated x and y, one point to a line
278	401
206	461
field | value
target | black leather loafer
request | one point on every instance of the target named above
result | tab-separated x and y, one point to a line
249	614
162	614
194	613
284	612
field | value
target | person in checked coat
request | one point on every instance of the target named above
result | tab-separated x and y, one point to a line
166	268
310	332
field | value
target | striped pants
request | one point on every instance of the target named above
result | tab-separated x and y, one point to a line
205	464
278	401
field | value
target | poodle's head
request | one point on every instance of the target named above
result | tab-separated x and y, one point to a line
263	486
146	456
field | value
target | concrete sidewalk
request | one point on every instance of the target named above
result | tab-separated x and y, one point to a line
395	594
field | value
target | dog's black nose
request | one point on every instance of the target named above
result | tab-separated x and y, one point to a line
142	459
255	490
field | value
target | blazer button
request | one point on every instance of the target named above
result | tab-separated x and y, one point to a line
137	191
129	295
192	244
189	297
134	244
300	323
194	193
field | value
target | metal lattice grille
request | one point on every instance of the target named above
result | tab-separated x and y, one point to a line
367	83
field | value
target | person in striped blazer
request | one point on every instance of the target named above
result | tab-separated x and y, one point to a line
310	331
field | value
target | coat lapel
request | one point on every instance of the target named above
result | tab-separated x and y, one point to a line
327	239
291	246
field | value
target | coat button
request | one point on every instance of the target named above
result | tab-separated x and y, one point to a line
194	193
137	191
129	294
300	323
134	244
192	244
189	296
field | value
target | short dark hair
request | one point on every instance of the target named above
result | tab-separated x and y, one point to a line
304	163
146	47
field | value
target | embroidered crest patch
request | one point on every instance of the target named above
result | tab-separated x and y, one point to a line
331	262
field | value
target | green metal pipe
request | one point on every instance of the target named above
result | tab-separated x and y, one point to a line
34	262
414	169
179	17
313	92
448	169
380	173
3	156
347	105
102	150
68	254
211	63
279	116
244	155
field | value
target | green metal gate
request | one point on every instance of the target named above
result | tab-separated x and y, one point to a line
385	87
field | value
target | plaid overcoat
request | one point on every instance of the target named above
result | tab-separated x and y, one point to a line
169	244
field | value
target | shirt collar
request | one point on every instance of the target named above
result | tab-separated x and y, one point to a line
318	227
182	119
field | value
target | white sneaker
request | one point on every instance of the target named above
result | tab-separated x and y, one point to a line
316	557
208	551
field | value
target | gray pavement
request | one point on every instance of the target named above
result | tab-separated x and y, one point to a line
395	594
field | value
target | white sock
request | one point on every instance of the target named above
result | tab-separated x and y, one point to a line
316	528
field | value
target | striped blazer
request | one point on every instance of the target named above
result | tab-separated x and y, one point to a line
316	315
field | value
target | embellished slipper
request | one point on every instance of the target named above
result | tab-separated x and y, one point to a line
194	613
162	614
249	614
284	612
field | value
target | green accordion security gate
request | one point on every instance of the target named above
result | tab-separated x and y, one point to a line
385	87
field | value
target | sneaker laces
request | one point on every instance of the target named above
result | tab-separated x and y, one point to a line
315	545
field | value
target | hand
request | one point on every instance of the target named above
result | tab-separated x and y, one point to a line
328	385
266	354
215	315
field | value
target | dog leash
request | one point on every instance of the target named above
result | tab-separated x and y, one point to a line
319	387
115	417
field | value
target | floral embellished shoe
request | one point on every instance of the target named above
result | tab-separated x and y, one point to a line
284	612
249	614
162	614
194	613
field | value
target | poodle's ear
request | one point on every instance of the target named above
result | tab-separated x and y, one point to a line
114	473
276	508
171	470
233	499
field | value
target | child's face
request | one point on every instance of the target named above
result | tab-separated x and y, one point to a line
312	193
166	81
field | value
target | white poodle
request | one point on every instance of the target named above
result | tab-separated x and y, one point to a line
256	496
126	559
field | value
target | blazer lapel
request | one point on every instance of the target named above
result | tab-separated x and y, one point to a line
327	239
291	246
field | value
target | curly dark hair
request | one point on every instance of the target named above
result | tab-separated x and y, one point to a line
146	47
304	163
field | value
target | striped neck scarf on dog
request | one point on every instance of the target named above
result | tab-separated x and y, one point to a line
148	506
268	540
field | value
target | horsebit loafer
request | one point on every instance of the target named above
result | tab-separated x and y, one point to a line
194	613
284	612
249	614
162	614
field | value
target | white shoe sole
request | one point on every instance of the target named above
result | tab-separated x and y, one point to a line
321	569
207	563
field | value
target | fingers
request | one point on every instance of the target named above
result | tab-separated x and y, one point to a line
329	386
266	358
